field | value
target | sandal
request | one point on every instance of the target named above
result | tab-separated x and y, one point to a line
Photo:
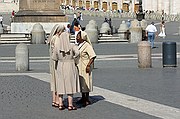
72	108
54	104
61	107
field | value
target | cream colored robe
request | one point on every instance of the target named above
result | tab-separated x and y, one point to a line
86	53
67	72
52	64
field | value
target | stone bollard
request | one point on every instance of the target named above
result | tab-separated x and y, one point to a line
9	29
115	29
91	30
1	29
22	57
136	31
105	28
122	31
38	34
144	54
93	22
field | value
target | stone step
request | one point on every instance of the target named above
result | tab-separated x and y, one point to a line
111	40
14	35
24	38
14	39
14	42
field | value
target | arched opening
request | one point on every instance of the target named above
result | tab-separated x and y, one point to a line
80	3
74	3
87	5
114	6
95	4
104	6
67	2
125	7
136	7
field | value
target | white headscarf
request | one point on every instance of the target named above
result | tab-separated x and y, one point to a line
85	37
52	33
55	29
63	45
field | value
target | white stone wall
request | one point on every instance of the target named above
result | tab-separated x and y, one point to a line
176	7
166	6
169	6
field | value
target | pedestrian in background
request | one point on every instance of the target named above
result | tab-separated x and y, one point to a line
162	15
162	30
77	28
87	57
151	33
128	23
67	73
72	25
54	36
68	28
78	16
81	16
75	16
1	20
12	15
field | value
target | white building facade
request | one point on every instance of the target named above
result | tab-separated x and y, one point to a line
168	6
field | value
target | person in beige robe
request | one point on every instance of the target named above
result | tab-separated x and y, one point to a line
54	36
87	56
67	73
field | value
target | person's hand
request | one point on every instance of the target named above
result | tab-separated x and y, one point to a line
88	69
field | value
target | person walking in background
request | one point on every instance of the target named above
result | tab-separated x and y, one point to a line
162	30
151	33
128	23
81	16
75	16
1	20
162	15
78	16
54	36
87	57
67	73
68	28
12	16
105	20
72	25
77	28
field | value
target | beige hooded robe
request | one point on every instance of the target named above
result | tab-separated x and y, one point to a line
67	73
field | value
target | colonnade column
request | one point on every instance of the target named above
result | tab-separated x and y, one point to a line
132	5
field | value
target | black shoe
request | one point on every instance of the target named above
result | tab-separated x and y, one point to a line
80	101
